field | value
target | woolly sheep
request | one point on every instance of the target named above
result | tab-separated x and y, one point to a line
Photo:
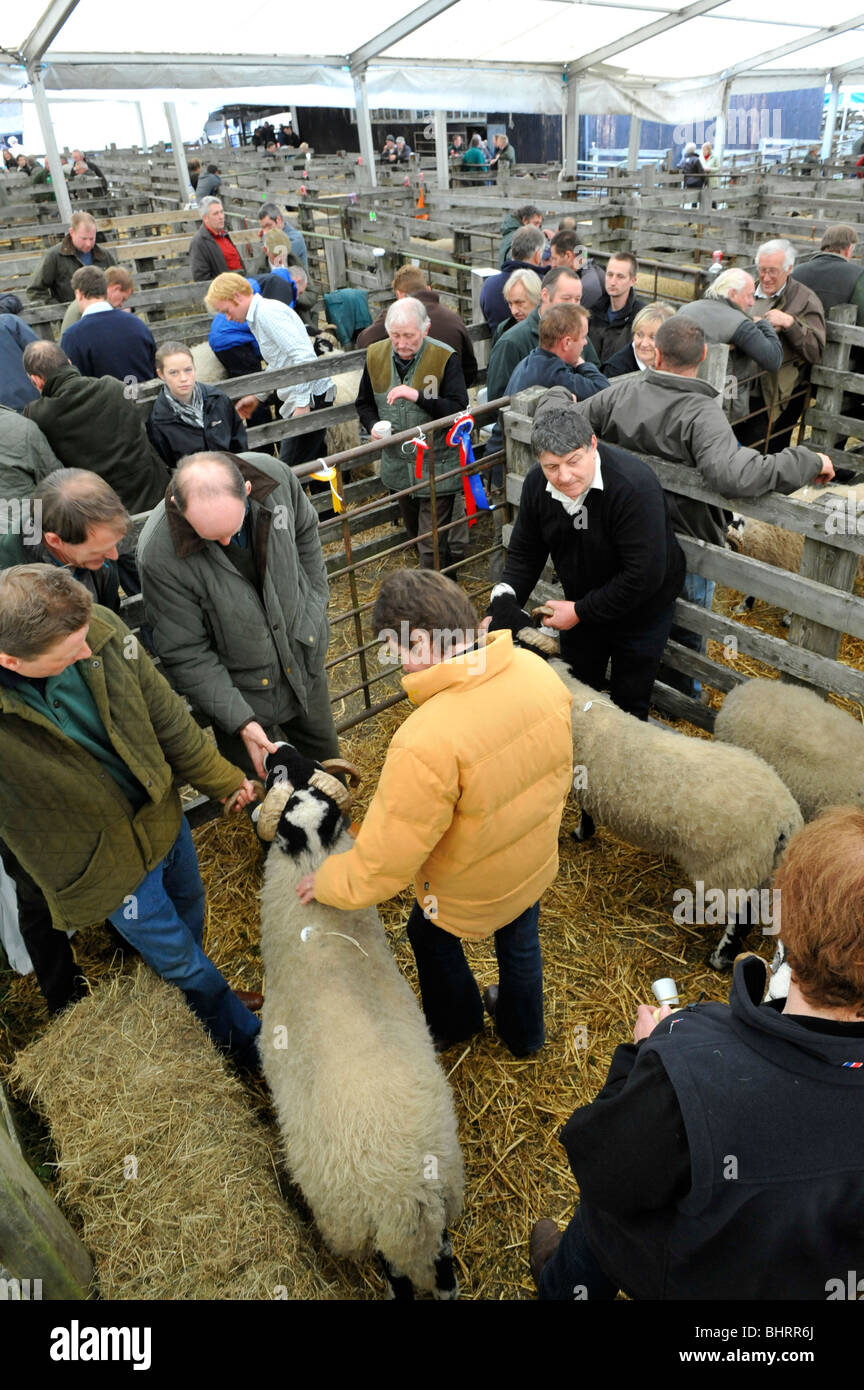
775	546
722	813
816	749
364	1108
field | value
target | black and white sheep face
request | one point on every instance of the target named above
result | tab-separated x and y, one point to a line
309	825
305	803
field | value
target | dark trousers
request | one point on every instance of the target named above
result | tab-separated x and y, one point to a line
451	999
416	513
634	653
311	731
49	949
306	448
573	1273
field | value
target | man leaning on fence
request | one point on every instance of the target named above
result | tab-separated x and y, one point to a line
236	593
409	380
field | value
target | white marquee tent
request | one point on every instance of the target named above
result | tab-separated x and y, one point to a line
667	61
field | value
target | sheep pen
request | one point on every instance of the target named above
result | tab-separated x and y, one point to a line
606	933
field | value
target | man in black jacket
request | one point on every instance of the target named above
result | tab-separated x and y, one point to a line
613	314
603	518
723	1157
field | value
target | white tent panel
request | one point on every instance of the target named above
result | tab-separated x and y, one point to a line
827	54
706	46
163	26
555	29
803	12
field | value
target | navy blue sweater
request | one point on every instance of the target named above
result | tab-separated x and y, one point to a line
111	343
618	559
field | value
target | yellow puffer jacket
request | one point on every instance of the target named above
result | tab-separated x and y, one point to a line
470	797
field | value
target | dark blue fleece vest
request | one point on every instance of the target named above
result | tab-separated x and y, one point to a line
774	1115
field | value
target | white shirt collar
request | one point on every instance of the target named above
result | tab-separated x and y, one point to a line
253	306
643	366
97	307
572	505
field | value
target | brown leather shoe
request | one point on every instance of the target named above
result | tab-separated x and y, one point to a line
251	998
544	1241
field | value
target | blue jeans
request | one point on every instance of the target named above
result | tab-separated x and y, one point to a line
451	999
698	590
573	1273
164	918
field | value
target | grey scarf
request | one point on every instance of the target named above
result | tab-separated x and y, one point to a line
191	413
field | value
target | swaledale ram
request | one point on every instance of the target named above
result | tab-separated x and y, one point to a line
720	812
364	1108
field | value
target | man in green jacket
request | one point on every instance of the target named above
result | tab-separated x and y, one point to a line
95	422
91	739
52	282
235	590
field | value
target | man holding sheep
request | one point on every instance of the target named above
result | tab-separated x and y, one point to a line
602	516
468	806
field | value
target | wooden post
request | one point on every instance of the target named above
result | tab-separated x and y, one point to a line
826	563
36	1240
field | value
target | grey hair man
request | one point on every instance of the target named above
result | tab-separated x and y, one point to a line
723	314
526	250
797	316
211	250
235	590
409	379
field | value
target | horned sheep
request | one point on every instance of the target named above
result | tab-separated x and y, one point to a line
364	1108
720	812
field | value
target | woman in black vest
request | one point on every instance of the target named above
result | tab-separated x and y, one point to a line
724	1157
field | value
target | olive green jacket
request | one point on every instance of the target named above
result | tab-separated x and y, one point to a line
398	464
64	816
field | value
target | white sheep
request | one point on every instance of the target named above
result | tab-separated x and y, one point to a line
816	749
783	549
720	812
364	1108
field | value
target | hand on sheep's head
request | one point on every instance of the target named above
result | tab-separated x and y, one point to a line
292	776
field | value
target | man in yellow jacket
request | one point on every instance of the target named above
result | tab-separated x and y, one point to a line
468	805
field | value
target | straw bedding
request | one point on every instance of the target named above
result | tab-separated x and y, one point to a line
606	931
128	1076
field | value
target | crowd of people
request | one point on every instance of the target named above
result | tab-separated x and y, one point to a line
234	594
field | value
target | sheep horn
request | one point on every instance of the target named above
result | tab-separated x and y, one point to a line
272	807
544	611
341	765
231	800
539	639
332	787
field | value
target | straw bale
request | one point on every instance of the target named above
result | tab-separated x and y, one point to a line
129	1074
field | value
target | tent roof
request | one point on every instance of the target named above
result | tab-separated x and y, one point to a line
407	53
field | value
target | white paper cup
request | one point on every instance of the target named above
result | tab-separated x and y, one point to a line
381	429
666	992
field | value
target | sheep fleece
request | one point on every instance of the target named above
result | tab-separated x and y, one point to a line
815	748
719	811
364	1108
